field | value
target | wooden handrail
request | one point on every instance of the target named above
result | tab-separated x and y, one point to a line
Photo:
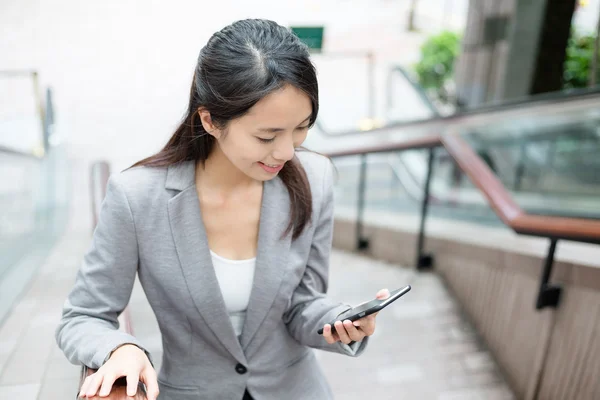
500	200
423	142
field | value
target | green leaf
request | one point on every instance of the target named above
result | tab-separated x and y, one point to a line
436	64
578	60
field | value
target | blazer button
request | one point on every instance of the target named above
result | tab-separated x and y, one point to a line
240	369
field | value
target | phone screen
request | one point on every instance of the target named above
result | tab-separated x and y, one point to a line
359	308
370	304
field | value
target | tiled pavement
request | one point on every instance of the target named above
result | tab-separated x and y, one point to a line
423	347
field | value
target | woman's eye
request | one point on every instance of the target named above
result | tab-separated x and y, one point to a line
265	140
302	128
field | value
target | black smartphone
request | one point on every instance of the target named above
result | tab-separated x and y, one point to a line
368	308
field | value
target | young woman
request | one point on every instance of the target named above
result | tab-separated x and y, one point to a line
229	229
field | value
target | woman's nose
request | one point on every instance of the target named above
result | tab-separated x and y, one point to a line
284	150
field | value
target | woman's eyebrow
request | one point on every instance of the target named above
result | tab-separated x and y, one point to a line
276	130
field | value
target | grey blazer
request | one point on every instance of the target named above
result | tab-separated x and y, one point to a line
150	224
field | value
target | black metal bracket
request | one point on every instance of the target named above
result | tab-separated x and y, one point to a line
549	294
362	244
425	261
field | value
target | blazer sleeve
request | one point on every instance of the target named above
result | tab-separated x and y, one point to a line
88	331
310	309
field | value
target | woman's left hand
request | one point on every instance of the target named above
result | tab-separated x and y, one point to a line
348	331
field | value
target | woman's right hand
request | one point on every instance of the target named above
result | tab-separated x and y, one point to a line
128	361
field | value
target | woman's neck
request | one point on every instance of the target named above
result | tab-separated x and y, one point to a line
219	174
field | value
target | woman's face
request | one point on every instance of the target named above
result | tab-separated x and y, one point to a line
264	139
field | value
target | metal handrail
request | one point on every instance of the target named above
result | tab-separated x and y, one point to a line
516	104
541	98
413	189
416	86
13	152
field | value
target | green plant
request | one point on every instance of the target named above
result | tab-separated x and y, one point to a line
578	61
436	65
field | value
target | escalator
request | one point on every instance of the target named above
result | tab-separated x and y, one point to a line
544	150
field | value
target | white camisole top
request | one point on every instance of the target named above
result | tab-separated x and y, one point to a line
235	278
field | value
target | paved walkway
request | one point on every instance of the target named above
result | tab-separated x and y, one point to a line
423	348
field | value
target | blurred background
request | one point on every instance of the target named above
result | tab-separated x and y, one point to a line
466	136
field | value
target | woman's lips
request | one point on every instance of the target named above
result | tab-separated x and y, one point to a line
269	169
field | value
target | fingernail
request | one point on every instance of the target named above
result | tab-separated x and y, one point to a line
356	323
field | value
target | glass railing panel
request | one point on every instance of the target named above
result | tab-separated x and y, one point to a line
395	184
34	199
34	183
549	163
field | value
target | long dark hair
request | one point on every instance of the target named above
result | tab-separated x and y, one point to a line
240	65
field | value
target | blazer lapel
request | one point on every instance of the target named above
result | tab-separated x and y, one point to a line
191	243
271	258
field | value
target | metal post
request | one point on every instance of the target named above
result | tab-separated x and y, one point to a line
40	106
520	169
48	119
425	261
371	83
548	295
361	242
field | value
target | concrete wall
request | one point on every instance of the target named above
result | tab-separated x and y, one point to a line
502	69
